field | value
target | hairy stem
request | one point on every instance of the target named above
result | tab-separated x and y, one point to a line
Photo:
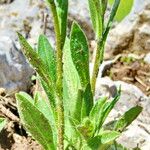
59	56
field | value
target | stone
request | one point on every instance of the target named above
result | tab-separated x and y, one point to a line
15	72
133	33
147	58
137	134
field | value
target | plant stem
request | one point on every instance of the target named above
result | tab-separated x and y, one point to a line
97	62
59	86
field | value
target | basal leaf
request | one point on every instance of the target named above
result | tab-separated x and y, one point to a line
103	140
72	92
124	8
80	53
35	121
47	54
44	106
71	83
128	118
2	123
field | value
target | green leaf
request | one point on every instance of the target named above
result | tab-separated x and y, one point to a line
106	109
87	101
124	9
34	59
39	65
86	128
104	6
71	81
109	136
96	110
80	58
44	106
102	140
35	121
2	123
96	16
62	10
47	54
128	118
80	53
72	92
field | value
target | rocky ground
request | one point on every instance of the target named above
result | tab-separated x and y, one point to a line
127	63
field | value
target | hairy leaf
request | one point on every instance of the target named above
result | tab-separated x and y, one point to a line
128	118
2	123
80	53
47	54
34	59
72	93
80	58
62	9
96	16
102	140
108	26
35	121
86	128
39	65
106	109
96	110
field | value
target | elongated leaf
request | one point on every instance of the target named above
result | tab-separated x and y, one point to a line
71	81
80	53
108	26
35	122
2	123
39	65
43	106
72	92
106	109
104	6
109	136
102	140
96	16
47	54
34	59
96	110
87	101
62	9
80	58
128	118
111	18
124	8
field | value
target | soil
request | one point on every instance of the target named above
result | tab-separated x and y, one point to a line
131	70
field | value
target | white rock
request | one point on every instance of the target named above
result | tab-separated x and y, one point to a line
15	72
132	33
147	58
